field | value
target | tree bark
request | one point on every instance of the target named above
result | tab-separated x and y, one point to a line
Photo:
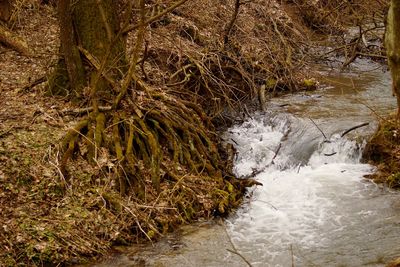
6	7
392	42
91	26
72	59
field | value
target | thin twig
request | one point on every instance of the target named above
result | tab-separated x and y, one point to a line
6	132
326	139
96	64
272	206
137	223
291	252
156	17
232	21
364	104
134	58
79	111
276	152
34	83
235	251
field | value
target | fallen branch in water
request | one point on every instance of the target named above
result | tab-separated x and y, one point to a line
234	250
353	128
256	172
292	254
276	153
272	206
326	139
240	255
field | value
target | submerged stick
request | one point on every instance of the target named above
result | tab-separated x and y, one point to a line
292	254
276	152
240	255
234	250
256	172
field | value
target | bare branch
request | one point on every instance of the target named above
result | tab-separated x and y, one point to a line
156	17
353	128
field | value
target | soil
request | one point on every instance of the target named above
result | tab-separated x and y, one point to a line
48	220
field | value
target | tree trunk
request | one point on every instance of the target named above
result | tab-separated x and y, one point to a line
92	48
6	7
70	52
392	42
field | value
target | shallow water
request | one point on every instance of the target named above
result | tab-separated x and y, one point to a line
315	208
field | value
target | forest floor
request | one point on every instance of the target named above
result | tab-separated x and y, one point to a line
44	222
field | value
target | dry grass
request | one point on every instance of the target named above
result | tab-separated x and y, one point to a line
48	219
265	49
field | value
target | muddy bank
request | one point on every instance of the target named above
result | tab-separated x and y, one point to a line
190	55
315	208
383	151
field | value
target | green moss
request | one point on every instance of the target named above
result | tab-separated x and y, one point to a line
58	83
270	83
394	180
24	180
310	84
383	151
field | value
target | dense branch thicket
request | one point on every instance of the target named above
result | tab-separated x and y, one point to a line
142	154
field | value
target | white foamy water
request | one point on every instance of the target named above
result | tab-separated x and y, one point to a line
315	208
312	210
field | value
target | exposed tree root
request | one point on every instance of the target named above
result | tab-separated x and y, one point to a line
144	158
171	138
163	159
383	150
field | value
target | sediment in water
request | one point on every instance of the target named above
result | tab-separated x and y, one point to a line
53	222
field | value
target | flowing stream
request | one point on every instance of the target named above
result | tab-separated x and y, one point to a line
315	208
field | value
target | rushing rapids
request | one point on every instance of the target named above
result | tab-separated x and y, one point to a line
316	208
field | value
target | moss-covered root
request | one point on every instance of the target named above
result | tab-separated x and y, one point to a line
68	144
383	150
173	137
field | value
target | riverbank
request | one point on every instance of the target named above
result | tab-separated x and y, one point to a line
264	53
315	208
383	151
